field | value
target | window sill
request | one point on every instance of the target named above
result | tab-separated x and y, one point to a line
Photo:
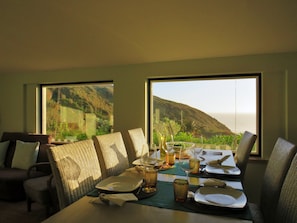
257	159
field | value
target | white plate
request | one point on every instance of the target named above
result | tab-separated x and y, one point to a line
221	197
221	169
119	184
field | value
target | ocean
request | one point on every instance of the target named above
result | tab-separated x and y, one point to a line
237	123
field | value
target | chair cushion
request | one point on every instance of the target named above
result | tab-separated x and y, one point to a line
37	189
25	154
11	183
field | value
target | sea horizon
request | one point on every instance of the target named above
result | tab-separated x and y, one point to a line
239	123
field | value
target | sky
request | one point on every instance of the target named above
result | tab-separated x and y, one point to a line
219	96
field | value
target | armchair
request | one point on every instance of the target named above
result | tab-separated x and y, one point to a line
12	178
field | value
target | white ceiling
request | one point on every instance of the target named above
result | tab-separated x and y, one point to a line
61	34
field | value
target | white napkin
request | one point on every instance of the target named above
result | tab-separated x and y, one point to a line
117	199
212	182
218	161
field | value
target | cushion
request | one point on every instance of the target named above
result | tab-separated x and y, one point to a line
25	154
3	149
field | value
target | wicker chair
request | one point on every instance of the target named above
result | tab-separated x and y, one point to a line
275	173
243	152
112	153
287	205
137	140
75	169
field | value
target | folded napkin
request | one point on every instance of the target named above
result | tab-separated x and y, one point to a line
116	199
212	182
218	161
220	191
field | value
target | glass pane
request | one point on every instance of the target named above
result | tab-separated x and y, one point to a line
78	111
213	113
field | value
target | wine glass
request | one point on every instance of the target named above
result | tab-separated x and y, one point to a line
184	163
186	153
146	158
154	150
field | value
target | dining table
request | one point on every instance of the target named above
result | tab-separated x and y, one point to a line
161	206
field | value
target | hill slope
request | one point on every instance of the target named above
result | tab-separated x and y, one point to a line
191	119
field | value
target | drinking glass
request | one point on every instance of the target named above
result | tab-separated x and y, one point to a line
184	165
170	157
189	162
150	179
180	189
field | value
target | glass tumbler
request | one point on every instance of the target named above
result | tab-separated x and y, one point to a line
180	188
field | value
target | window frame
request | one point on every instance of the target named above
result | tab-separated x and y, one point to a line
256	75
41	86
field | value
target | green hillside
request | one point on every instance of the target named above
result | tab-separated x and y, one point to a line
79	112
190	119
89	99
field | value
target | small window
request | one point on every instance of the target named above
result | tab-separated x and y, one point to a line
211	111
74	112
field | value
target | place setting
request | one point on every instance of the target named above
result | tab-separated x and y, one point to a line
217	166
134	184
216	192
215	197
116	190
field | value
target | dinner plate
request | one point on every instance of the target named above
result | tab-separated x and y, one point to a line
221	169
220	197
119	184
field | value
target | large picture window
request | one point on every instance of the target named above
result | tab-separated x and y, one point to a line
73	112
212	111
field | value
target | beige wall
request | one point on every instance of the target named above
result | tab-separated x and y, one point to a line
18	109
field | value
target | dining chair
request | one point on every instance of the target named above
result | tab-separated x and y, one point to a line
274	175
137	141
76	170
287	205
243	152
112	153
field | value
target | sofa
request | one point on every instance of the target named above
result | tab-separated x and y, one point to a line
15	164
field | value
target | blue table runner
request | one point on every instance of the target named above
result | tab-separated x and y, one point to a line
164	198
